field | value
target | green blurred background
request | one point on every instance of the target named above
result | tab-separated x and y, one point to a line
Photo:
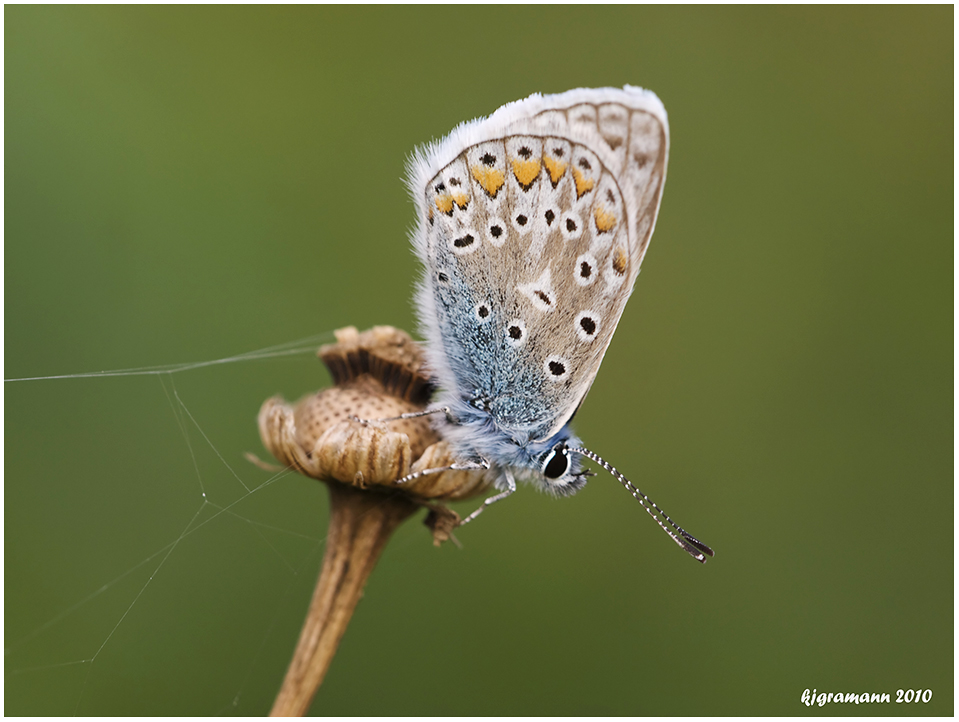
186	184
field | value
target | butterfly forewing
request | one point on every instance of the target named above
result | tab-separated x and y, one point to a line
534	228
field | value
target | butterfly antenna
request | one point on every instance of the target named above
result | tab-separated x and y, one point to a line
695	548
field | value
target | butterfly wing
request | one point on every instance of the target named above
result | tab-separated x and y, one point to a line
532	225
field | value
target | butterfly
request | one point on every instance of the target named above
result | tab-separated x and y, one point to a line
531	228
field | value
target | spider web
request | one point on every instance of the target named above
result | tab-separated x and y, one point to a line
153	553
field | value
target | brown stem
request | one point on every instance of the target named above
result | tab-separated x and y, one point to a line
361	523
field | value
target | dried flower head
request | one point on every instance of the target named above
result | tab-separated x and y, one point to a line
378	374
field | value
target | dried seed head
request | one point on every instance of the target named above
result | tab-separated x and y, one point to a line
378	374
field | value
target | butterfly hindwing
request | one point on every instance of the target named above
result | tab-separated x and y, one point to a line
533	225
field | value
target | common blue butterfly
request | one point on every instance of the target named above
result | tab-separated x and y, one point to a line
531	227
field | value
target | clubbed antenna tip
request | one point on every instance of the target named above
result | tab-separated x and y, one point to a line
695	548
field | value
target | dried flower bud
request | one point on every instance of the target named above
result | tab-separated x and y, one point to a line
378	374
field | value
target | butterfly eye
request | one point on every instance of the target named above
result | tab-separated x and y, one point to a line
556	463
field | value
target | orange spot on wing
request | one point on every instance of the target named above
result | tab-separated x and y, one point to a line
620	261
555	167
461	199
526	171
445	203
489	178
583	184
605	221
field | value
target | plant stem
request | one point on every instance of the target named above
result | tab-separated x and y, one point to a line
361	523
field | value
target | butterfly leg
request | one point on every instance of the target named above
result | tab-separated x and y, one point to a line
412	415
493	499
466	466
